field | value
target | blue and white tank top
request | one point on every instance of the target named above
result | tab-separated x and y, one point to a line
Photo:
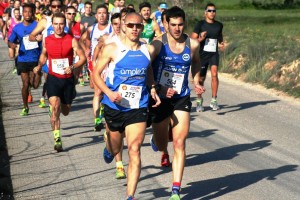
128	75
171	69
96	34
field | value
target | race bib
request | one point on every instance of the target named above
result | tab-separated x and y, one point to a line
59	65
172	80
210	45
131	96
28	44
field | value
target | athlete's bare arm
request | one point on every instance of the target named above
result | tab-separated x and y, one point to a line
42	59
108	54
200	37
36	34
79	52
88	41
156	29
196	66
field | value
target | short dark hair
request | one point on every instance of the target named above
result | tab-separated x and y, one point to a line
126	11
164	13
56	0
209	4
59	15
88	3
70	7
29	5
175	12
115	16
102	6
144	4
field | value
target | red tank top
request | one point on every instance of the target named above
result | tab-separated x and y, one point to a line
76	31
60	54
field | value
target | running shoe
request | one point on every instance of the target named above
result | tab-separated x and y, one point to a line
42	103
214	104
120	173
14	70
131	198
87	76
29	98
24	112
154	147
58	144
81	82
174	197
98	125
108	158
199	106
165	161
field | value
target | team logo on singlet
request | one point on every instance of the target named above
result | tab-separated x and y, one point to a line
186	57
167	74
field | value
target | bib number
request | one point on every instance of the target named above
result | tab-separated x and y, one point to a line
28	44
210	45
172	80
131	96
59	65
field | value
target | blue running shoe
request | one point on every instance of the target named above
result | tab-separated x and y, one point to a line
108	158
131	198
154	147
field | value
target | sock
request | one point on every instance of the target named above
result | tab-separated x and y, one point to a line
199	99
119	164
176	188
56	133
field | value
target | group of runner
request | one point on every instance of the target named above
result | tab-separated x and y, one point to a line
139	65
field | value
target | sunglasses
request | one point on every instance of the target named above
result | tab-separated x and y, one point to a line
131	25
55	6
211	11
71	14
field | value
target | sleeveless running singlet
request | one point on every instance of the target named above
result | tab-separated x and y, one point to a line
12	25
128	75
96	33
60	54
148	32
75	31
171	69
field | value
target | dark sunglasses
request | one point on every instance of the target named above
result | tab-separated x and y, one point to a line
131	25
211	11
71	13
55	6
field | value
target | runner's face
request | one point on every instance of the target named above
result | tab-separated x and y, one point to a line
58	25
17	14
27	14
55	7
133	27
121	3
70	14
210	12
116	24
102	16
145	13
176	27
87	9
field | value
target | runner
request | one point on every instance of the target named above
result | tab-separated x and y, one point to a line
10	24
59	48
209	33
44	29
29	53
157	15
151	28
175	52
88	17
93	34
126	96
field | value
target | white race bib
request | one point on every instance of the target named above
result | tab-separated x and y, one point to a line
172	80
28	44
210	45
59	65
131	96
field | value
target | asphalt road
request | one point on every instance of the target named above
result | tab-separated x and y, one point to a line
247	150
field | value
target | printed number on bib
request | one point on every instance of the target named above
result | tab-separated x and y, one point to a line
28	44
172	80
131	96
59	65
210	45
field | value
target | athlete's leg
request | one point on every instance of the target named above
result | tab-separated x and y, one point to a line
65	109
56	109
214	80
25	88
160	134
135	134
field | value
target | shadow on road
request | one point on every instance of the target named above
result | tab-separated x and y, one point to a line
6	189
213	188
244	106
225	153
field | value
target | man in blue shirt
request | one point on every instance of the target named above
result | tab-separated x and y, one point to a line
29	53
